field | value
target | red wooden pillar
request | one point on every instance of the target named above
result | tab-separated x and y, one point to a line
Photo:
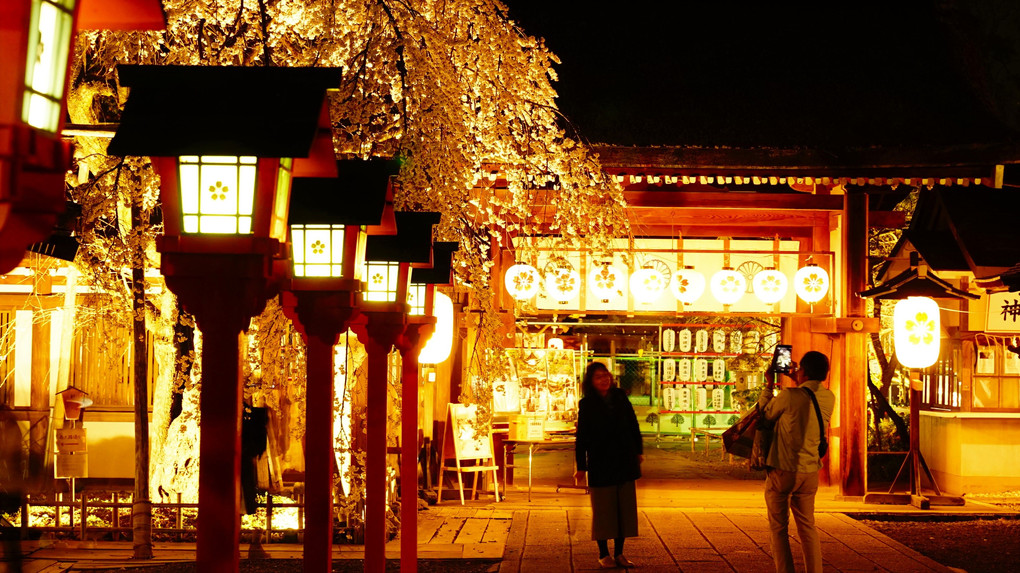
417	330
853	398
322	316
383	329
223	292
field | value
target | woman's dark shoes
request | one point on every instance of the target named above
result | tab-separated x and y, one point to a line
623	561
607	562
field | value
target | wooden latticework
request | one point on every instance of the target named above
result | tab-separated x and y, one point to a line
101	365
7	357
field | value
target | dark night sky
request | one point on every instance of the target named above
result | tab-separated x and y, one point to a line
721	74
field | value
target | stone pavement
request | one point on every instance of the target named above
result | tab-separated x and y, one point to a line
694	526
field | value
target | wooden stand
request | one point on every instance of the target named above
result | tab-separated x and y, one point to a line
915	462
460	444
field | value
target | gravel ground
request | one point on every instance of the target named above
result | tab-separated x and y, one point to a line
343	566
975	545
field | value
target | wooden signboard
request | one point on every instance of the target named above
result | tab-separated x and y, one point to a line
461	442
71	466
70	440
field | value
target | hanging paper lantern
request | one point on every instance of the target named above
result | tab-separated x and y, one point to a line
606	281
437	349
521	281
811	283
668	340
683	340
701	341
563	284
770	286
728	286
648	283
719	341
687	285
916	331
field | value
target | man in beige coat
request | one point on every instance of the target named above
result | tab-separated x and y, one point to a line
791	480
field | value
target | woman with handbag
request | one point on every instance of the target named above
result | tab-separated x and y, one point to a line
609	452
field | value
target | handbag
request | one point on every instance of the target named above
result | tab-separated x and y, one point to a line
751	438
823	444
738	439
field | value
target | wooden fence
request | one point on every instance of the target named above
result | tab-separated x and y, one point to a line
117	513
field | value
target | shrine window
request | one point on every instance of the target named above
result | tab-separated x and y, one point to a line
996	384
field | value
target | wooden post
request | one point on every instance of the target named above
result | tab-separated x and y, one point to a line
410	346
383	329
321	315
223	292
853	395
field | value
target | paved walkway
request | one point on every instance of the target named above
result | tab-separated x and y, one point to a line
691	526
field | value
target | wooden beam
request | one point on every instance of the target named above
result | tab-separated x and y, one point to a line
734	200
725	217
887	219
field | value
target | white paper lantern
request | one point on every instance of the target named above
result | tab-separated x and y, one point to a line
667	398
648	284
701	397
916	330
684	399
719	370
736	342
606	281
719	341
437	349
770	286
563	284
701	341
718	398
668	370
684	369
521	281
728	286
668	340
700	370
811	283
687	285
684	340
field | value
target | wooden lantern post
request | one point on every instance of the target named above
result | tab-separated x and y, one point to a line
328	223
384	303
225	171
423	325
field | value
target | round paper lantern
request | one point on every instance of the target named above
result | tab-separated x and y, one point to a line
687	285
770	286
437	349
521	281
811	283
648	284
728	286
916	331
563	284
606	281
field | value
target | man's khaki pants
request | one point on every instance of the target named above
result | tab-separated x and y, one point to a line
785	491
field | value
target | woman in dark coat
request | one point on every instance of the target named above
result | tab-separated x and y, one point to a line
609	451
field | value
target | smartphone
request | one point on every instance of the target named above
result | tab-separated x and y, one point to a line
783	358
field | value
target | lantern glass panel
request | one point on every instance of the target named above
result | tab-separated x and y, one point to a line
278	223
416	298
318	250
382	280
49	38
217	193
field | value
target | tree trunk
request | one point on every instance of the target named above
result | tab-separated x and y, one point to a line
141	508
880	395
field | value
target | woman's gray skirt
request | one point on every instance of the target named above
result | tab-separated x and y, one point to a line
613	511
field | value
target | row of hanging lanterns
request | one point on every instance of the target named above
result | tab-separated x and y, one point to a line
652	280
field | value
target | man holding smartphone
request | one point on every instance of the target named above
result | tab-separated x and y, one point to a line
793	459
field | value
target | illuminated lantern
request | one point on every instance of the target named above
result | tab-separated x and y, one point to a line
916	330
74	401
389	258
606	281
770	286
687	285
648	283
728	286
562	283
437	349
811	283
521	281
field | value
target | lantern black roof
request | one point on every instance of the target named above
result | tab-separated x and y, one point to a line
356	196
204	110
442	265
411	244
